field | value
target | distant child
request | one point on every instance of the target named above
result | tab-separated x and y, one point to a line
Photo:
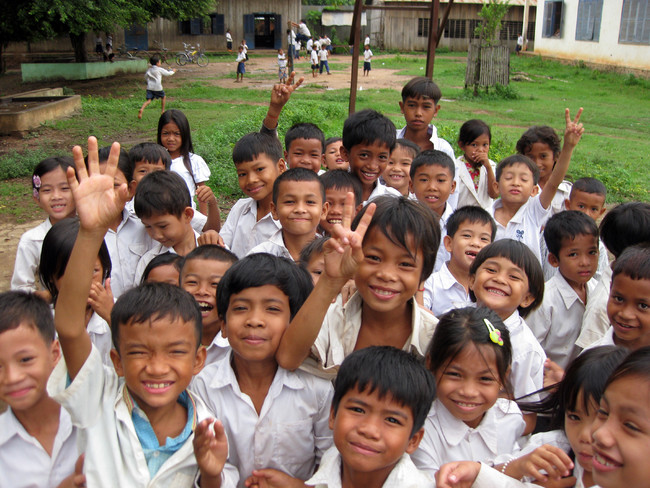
304	144
469	229
153	77
367	57
332	158
314	63
572	241
476	180
397	172
389	250
381	399
276	420
51	192
38	445
241	65
143	159
164	268
282	66
312	258
323	55
228	41
338	183
244	47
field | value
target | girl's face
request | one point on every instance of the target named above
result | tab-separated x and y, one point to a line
170	138
577	426
501	285
98	275
543	157
55	196
621	434
479	146
469	385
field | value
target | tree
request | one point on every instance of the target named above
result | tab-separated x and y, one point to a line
489	29
15	26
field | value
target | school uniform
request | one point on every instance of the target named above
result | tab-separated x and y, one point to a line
274	245
218	349
595	321
468	194
197	223
380	190
242	231
448	439
146	258
200	173
606	340
290	433
489	477
100	335
558	204
443	255
443	293
28	256
555	438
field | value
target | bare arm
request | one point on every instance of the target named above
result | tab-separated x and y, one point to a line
206	197
280	95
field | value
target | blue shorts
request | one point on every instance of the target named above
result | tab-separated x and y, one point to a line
152	95
366	66
241	68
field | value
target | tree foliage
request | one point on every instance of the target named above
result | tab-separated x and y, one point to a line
492	13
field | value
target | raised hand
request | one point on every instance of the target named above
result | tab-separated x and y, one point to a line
101	299
460	474
281	92
551	459
574	129
211	450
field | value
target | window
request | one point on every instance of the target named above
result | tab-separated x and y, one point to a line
214	24
635	22
192	27
217	24
455	29
473	24
510	29
552	19
588	24
423	27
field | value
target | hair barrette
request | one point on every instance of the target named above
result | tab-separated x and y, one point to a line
36	180
495	334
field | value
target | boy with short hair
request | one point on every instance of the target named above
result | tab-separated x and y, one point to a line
314	63
338	183
572	241
332	157
397	173
367	59
312	257
143	159
469	229
304	145
153	77
299	205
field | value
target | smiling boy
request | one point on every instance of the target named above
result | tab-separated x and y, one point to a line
304	146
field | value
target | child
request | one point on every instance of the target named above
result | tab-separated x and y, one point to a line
368	139
244	47
164	268
469	229
282	66
304	144
338	183
228	41
389	253
312	258
572	241
241	66
299	205
143	159
476	181
314	63
367	57
397	172
323	55
38	443
122	423
153	77
332	158
200	275
51	192
274	419
381	399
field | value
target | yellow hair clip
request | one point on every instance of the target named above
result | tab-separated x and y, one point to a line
495	334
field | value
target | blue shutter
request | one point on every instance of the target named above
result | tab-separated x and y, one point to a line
249	30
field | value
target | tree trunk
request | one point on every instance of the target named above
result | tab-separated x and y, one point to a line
79	46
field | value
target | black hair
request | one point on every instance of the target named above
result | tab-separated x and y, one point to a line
331	140
539	133
625	225
149	152
55	253
304	130
637	363
254	144
164	259
388	371
179	118
399	219
161	193
421	87
122	161
634	262
407	145
262	269
153	60
368	127
154	301
211	252
461	327
568	225
19	307
473	215
314	247
517	159
587	374
433	157
47	165
519	254
298	175
339	179
589	185
472	130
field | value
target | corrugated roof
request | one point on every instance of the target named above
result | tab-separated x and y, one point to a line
531	3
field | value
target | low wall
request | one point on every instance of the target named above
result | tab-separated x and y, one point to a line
25	111
80	71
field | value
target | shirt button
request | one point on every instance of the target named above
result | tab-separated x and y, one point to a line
156	454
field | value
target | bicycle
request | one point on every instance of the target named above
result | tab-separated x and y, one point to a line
161	51
129	53
192	54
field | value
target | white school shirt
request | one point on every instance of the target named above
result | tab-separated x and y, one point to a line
146	258
242	231
290	433
199	169
323	54
154	75
448	439
443	293
595	321
282	61
555	438
561	196
100	408
403	475
23	461
527	372
241	57
467	193
310	45
303	29
228	37
275	246
606	340
380	190
558	320
28	255
491	478
442	256
525	225
314	57
219	348
367	54
100	335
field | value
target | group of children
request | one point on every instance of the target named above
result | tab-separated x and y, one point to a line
373	313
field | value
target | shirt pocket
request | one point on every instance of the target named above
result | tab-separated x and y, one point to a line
293	445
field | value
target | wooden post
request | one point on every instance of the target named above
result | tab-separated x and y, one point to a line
289	51
355	39
433	37
524	29
443	22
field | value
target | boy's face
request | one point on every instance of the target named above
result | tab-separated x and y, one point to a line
26	363
372	433
305	153
577	260
418	112
300	207
543	157
168	229
157	360
143	168
333	159
256	177
255	321
591	204
335	198
396	174
432	185
466	243
516	184
367	161
316	266
200	278
388	276
628	310
118	180
167	273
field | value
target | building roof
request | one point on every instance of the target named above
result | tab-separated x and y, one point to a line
531	3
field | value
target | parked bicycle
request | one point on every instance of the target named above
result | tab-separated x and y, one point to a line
192	54
130	52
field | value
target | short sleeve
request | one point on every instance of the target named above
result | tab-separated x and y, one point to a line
27	258
200	169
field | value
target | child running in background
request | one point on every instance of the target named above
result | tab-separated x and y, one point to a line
51	192
164	268
153	77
